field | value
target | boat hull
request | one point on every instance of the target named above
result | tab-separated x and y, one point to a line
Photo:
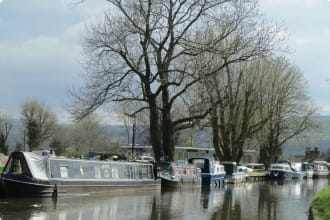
298	175
236	178
208	178
16	188
31	175
280	174
180	182
320	174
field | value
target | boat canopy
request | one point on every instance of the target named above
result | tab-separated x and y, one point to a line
204	163
27	164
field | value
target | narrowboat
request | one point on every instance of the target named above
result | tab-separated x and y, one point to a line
211	171
234	173
27	174
178	175
307	169
320	169
280	171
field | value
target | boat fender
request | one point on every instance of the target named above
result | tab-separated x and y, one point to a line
54	194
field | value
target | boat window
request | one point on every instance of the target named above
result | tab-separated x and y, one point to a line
106	171
145	171
200	163
64	171
97	171
81	170
114	171
130	172
277	167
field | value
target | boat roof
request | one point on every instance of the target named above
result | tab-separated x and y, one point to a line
229	162
280	164
202	157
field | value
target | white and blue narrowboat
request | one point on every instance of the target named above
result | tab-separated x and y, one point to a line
211	171
178	174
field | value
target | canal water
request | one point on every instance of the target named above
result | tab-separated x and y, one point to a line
248	201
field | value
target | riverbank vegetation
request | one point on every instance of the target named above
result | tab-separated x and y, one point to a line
321	204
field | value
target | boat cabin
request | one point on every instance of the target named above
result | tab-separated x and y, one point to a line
36	175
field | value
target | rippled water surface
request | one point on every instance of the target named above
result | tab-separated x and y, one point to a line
248	201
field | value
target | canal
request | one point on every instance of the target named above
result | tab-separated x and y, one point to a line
248	201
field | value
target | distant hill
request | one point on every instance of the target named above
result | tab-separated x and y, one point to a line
319	139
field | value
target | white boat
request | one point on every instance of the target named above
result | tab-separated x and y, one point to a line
233	173
211	171
280	171
256	167
297	172
320	169
175	175
307	169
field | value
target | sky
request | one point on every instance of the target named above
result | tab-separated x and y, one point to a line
41	58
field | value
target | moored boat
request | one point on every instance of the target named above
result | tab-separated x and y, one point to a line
280	171
307	169
211	171
31	175
256	167
233	173
320	169
299	175
179	174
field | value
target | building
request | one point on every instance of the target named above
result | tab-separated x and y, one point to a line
183	153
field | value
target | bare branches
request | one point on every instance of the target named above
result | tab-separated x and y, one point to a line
147	50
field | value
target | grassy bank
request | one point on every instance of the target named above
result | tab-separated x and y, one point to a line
321	204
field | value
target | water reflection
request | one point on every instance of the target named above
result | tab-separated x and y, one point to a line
257	201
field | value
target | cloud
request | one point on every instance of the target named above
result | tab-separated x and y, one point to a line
307	4
40	50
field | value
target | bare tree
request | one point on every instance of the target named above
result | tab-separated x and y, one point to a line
5	128
39	122
235	96
143	52
289	109
84	134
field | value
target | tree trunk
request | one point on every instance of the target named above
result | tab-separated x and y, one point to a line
168	136
155	132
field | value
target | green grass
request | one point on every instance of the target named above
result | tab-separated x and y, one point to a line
321	203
